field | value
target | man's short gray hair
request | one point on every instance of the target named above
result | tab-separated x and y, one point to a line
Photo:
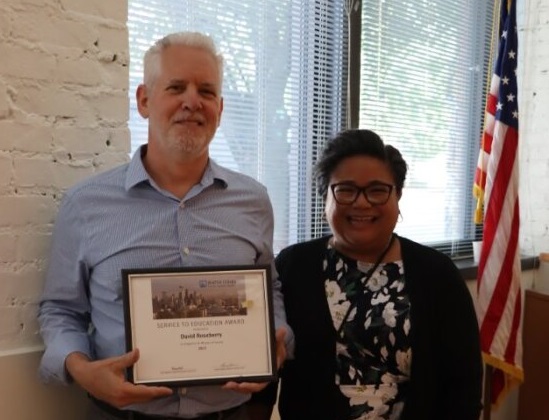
151	61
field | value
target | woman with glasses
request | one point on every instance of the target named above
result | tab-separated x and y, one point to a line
384	327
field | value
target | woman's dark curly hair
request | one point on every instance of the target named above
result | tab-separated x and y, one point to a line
358	142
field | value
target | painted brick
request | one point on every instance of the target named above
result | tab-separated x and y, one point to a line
23	210
4	100
80	139
110	160
32	26
77	140
25	136
63	78
534	124
68	175
8	251
24	62
111	107
25	5
119	139
29	323
116	73
6	171
6	18
10	323
33	171
32	246
113	39
53	101
43	172
19	285
109	9
18	324
84	71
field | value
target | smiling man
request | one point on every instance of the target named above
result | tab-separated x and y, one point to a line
182	99
170	206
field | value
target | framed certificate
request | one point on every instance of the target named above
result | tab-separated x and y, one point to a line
200	325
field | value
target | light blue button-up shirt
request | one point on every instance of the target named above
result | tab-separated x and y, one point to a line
122	219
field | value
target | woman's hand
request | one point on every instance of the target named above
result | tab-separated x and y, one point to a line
249	387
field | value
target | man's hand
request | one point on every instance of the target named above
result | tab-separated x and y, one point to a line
105	380
249	387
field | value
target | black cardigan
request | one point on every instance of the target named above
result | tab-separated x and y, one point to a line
446	370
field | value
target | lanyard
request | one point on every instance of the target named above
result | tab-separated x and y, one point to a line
366	277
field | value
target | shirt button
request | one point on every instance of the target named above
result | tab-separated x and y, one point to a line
186	251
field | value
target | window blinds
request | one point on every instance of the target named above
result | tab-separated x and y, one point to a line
283	90
424	67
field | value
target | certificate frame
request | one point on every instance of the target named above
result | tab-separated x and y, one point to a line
200	325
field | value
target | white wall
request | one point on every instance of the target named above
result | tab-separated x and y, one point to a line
533	25
63	116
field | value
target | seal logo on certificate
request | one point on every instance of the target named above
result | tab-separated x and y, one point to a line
200	325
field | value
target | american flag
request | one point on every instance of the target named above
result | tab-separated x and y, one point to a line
496	189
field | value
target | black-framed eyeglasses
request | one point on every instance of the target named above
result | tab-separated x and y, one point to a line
376	194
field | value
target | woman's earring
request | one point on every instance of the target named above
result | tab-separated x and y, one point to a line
400	217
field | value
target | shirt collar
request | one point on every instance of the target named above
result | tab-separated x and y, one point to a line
137	173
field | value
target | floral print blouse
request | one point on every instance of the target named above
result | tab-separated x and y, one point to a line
372	317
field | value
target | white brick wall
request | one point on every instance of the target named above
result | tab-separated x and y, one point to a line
534	125
63	117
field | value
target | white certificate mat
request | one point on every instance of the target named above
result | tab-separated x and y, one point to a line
200	325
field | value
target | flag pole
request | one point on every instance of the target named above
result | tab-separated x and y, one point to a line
487	404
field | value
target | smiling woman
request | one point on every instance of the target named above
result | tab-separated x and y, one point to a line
357	161
361	229
385	316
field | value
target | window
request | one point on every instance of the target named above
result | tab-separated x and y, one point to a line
283	88
423	71
424	68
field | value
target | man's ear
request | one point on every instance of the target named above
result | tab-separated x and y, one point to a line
142	98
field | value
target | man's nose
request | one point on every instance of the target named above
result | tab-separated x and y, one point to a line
191	99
